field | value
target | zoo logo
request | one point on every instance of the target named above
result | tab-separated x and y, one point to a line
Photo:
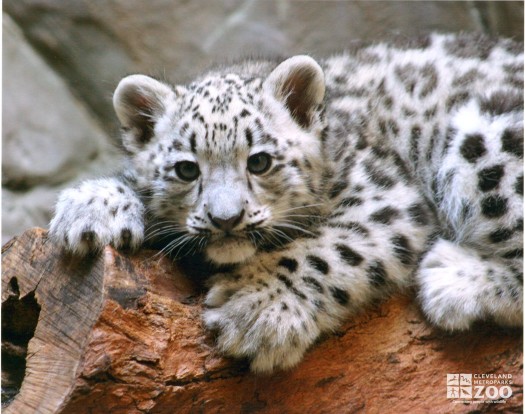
461	386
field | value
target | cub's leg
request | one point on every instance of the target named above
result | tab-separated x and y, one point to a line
272	309
477	272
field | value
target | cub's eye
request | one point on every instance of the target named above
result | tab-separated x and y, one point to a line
187	170
259	163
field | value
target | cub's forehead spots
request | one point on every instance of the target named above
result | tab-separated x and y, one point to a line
220	88
220	117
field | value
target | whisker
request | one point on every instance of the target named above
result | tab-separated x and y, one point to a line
292	225
299	208
275	236
163	228
173	244
162	232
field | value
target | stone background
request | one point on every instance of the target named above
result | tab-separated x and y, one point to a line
63	58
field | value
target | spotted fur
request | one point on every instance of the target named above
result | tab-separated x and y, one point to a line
321	187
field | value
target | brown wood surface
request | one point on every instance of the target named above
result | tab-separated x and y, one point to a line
122	334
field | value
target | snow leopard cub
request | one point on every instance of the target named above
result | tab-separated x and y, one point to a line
323	186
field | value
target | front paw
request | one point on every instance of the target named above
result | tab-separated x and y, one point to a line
95	214
267	326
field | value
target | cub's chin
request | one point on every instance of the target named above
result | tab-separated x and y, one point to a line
230	251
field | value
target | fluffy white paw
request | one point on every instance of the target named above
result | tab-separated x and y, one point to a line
262	323
95	214
451	282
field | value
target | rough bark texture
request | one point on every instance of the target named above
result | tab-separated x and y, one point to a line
122	334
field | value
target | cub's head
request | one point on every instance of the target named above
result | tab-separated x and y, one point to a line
230	163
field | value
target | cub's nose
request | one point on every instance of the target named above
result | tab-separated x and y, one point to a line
226	224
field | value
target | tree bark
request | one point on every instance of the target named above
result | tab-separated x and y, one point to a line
122	333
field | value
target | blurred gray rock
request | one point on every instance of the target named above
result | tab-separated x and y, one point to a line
48	135
82	48
21	211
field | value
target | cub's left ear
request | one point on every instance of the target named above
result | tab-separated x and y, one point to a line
139	102
298	83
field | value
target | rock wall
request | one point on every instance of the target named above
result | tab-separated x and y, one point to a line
63	59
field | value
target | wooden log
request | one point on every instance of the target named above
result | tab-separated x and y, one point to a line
123	334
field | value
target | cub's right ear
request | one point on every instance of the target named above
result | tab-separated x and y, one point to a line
139	102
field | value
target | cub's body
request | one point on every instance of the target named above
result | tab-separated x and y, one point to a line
324	186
